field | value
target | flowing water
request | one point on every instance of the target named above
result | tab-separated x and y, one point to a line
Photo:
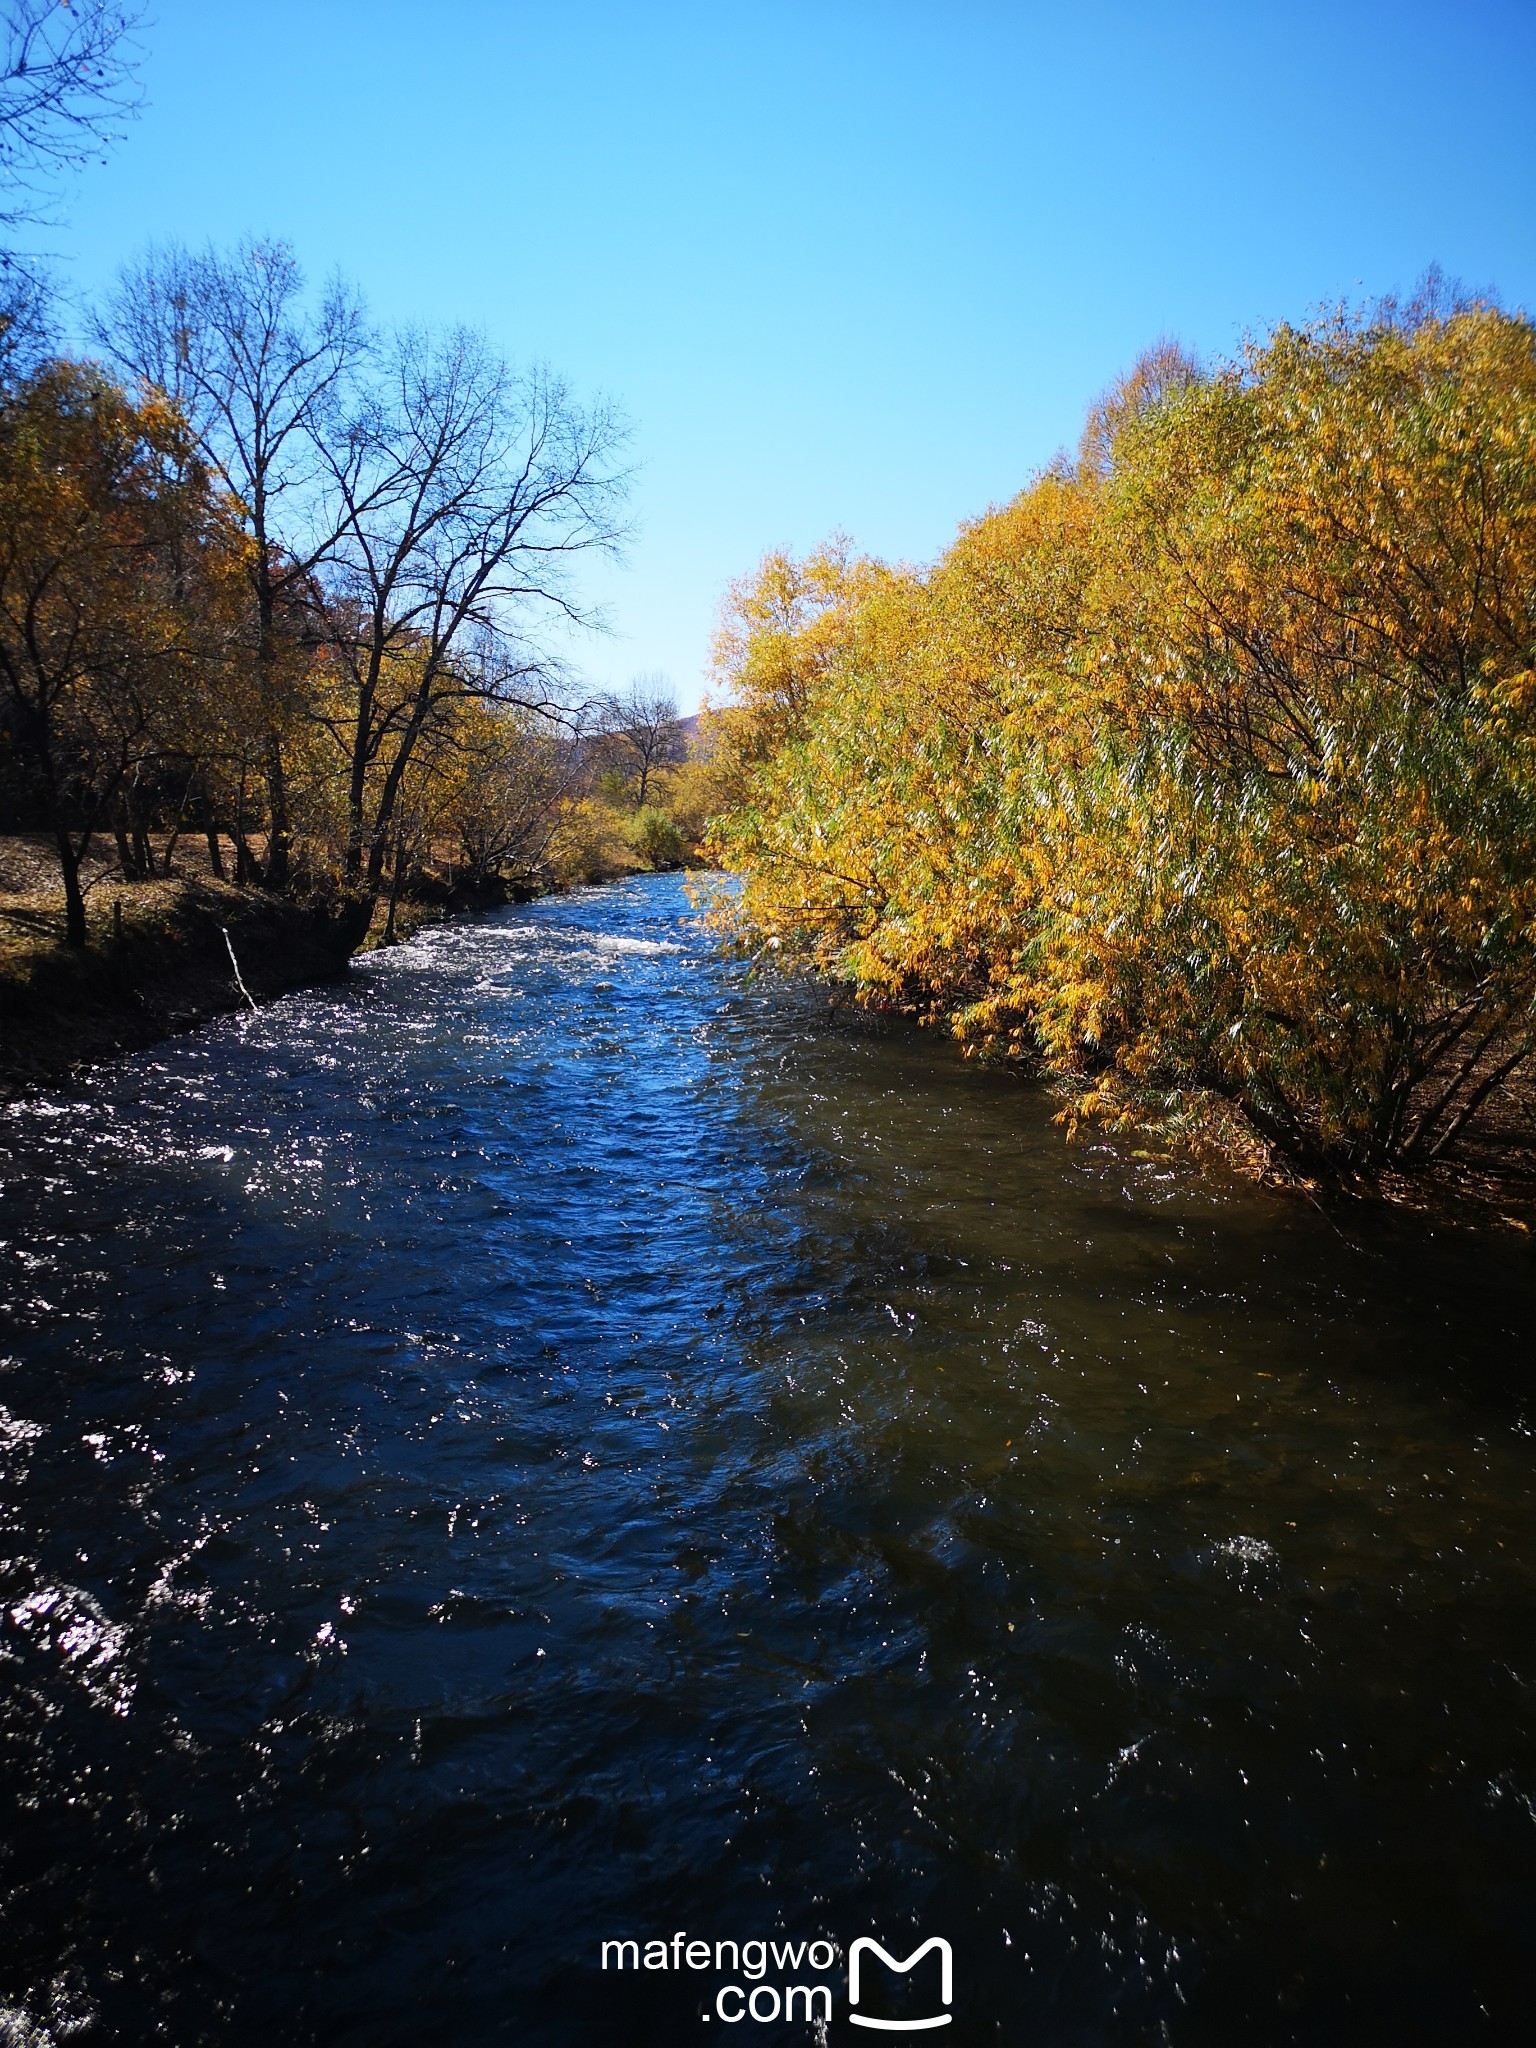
549	1441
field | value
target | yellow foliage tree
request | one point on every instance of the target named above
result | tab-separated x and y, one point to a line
119	582
1203	771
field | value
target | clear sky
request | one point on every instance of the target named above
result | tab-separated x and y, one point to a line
855	264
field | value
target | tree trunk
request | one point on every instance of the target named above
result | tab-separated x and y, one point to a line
357	780
176	825
74	898
374	879
397	876
125	854
246	868
211	834
143	852
274	873
278	864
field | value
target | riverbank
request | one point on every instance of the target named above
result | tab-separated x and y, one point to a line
158	963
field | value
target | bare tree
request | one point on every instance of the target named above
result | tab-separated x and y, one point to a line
462	495
66	79
640	726
514	771
260	376
26	323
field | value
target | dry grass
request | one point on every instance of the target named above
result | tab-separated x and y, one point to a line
32	896
156	961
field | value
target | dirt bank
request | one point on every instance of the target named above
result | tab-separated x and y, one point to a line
157	963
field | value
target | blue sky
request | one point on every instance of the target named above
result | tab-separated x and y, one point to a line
845	265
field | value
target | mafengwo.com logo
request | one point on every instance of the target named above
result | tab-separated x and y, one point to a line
767	1981
865	1946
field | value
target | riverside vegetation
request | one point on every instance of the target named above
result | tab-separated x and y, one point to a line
1203	774
272	585
1199	775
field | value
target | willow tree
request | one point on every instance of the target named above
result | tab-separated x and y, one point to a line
505	780
1302	877
1206	771
888	838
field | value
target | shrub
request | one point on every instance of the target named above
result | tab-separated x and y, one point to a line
654	835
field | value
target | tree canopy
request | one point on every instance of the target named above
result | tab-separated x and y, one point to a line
1203	772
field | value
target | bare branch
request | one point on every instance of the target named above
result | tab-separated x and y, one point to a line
66	81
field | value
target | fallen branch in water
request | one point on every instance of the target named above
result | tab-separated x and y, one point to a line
239	977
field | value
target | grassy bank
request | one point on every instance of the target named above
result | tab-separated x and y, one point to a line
157	963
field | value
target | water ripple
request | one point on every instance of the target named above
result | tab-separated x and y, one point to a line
550	1439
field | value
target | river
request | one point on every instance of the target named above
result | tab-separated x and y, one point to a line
550	1440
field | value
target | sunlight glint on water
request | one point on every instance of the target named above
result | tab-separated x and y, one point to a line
548	1441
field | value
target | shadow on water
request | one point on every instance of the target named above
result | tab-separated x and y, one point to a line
547	1443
